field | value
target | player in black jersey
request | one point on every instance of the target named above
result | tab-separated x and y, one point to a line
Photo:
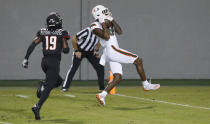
54	42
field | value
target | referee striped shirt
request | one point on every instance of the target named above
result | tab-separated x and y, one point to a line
87	40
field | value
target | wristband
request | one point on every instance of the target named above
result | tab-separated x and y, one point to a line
76	51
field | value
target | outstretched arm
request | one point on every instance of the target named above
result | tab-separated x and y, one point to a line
36	41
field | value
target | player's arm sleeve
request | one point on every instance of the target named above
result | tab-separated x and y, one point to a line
31	47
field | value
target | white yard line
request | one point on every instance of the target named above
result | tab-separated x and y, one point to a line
69	95
5	123
16	95
22	96
6	95
160	101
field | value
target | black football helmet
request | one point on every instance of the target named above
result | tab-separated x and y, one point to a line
54	21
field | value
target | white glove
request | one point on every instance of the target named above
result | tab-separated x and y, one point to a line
25	63
110	18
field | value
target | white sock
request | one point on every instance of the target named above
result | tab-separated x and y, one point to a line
103	93
145	82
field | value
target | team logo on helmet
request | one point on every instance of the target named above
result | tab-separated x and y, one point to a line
54	21
99	11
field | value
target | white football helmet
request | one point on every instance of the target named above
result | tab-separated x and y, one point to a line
99	11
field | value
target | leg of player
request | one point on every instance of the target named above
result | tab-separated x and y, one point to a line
146	85
101	96
124	56
116	80
59	82
100	75
52	76
139	66
43	98
42	85
71	72
40	89
99	70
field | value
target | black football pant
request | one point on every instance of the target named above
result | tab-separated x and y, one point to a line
51	67
76	63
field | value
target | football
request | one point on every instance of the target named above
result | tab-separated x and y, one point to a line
108	23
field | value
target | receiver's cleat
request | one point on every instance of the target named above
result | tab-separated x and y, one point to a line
101	99
147	87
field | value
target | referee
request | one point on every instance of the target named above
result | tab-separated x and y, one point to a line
86	45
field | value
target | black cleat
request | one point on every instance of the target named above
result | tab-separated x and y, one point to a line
36	110
40	88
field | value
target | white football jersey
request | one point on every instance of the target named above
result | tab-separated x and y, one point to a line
113	38
112	53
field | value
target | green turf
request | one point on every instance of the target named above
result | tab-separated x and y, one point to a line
84	109
165	82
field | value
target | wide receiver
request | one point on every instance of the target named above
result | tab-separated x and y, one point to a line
106	27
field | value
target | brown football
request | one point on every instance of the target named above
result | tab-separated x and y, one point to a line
108	23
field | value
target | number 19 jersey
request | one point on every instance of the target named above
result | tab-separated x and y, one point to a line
52	41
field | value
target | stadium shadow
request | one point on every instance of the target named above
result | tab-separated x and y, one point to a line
126	109
64	121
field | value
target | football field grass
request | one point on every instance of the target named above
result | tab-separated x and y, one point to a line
176	102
